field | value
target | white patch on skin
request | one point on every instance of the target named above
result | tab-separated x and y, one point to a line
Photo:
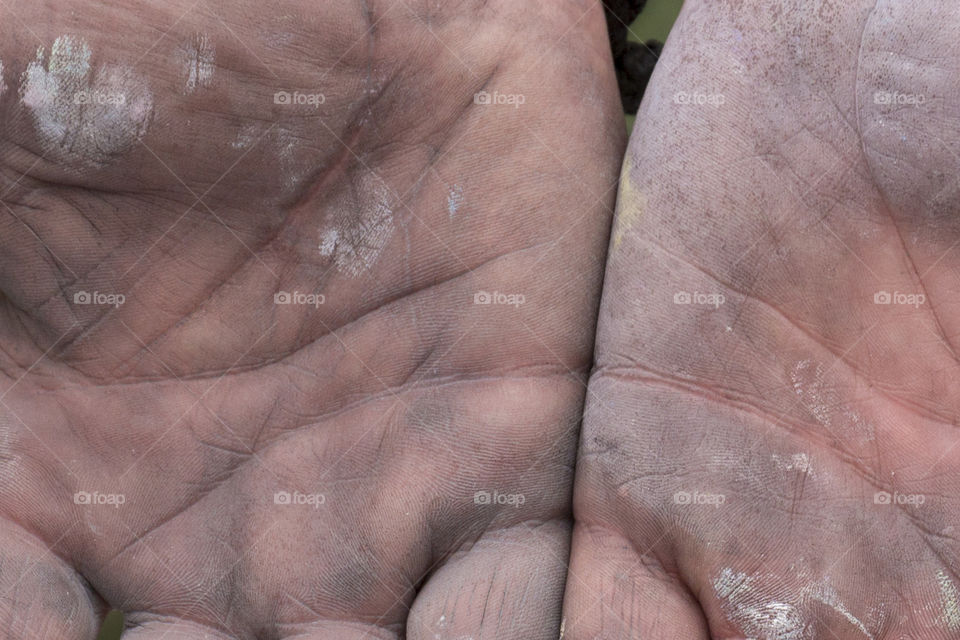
950	601
278	39
756	616
360	227
86	115
245	138
3	85
795	462
454	200
773	619
9	461
822	402
293	171
197	59
329	242
826	594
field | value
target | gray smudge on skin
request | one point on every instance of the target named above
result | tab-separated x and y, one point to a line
86	115
360	227
196	57
3	85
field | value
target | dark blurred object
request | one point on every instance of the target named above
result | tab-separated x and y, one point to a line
634	61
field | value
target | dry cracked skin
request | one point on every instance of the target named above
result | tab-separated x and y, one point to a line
300	306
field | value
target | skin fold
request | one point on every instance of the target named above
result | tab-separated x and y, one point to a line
188	432
770	445
300	305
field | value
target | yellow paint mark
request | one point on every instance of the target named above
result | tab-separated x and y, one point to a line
630	205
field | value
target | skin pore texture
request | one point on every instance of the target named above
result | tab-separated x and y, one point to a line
295	329
298	310
770	445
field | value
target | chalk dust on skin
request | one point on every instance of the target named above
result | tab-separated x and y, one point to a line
630	204
949	601
196	59
360	225
826	594
86	115
823	403
9	461
246	137
454	200
799	462
758	616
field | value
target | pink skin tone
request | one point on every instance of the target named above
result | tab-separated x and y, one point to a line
768	445
781	463
377	415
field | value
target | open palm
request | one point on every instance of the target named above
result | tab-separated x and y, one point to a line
298	309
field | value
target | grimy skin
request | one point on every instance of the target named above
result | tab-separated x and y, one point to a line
738	460
199	399
778	463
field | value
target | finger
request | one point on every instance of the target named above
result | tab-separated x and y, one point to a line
42	597
171	630
615	592
507	586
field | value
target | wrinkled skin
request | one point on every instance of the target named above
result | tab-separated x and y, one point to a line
199	400
731	453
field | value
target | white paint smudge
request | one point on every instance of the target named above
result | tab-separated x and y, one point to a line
950	601
824	404
196	57
794	462
294	169
328	243
774	619
85	115
454	200
826	594
245	138
9	460
278	39
808	385
362	224
754	615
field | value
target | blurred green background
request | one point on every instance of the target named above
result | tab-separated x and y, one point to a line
653	24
